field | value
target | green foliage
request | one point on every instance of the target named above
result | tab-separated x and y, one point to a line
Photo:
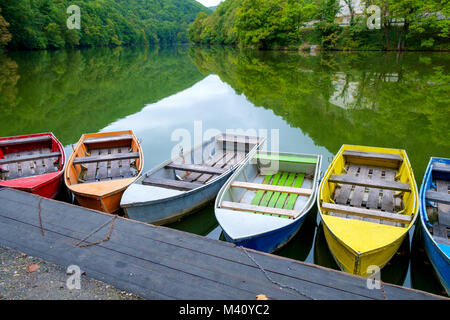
279	23
5	35
41	24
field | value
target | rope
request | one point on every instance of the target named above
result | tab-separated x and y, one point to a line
272	280
79	245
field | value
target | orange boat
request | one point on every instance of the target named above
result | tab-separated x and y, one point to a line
101	167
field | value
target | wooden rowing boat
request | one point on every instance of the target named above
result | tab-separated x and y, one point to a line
183	185
32	163
265	202
435	217
368	202
101	167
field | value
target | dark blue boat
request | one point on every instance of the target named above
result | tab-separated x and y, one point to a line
435	217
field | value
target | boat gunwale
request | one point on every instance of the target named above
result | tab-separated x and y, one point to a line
306	209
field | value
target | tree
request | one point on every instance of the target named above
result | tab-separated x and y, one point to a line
5	35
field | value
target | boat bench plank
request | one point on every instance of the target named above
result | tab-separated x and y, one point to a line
225	163
274	188
443	208
236	139
366	213
196	168
251	208
14	142
211	163
373	155
441	167
370	183
30	157
172	184
124	137
106	157
438	197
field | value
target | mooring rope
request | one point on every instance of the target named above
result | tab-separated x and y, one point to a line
272	280
79	245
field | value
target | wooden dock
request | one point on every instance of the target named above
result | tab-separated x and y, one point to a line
161	263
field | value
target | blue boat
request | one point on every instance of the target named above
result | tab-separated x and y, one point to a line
435	217
189	181
265	202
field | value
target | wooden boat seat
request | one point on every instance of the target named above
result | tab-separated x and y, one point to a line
371	197
197	168
266	187
237	139
171	184
32	157
443	187
366	213
438	197
14	142
222	160
441	168
373	155
106	157
259	209
110	139
370	183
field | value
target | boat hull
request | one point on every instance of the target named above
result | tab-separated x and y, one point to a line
108	203
173	209
439	260
352	262
271	241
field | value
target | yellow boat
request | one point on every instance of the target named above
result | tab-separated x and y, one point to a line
368	202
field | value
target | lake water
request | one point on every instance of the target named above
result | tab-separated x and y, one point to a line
315	103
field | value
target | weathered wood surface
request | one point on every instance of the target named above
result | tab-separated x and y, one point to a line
161	263
441	167
377	214
172	184
106	157
15	142
196	168
438	197
251	208
29	157
373	155
443	208
370	183
124	137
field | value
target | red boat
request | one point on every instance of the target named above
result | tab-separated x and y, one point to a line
33	163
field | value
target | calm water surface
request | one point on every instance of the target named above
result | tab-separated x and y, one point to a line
316	102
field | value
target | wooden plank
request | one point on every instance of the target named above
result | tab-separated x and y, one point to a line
211	162
358	192
115	166
13	169
442	187
172	184
438	197
14	142
268	195
20	158
180	264
223	163
123	137
373	155
196	168
373	200
40	164
91	172
260	193
342	194
387	200
106	157
274	188
125	168
370	183
292	199
366	213
441	167
28	166
282	200
102	171
238	139
276	195
251	208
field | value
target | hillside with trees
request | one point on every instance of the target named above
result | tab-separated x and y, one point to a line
41	24
271	24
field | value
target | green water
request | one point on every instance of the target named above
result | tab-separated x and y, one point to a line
316	102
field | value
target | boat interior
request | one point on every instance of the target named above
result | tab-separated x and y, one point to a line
203	164
276	185
28	157
438	202
367	186
105	158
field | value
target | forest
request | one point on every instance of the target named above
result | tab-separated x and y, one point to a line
272	24
41	24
